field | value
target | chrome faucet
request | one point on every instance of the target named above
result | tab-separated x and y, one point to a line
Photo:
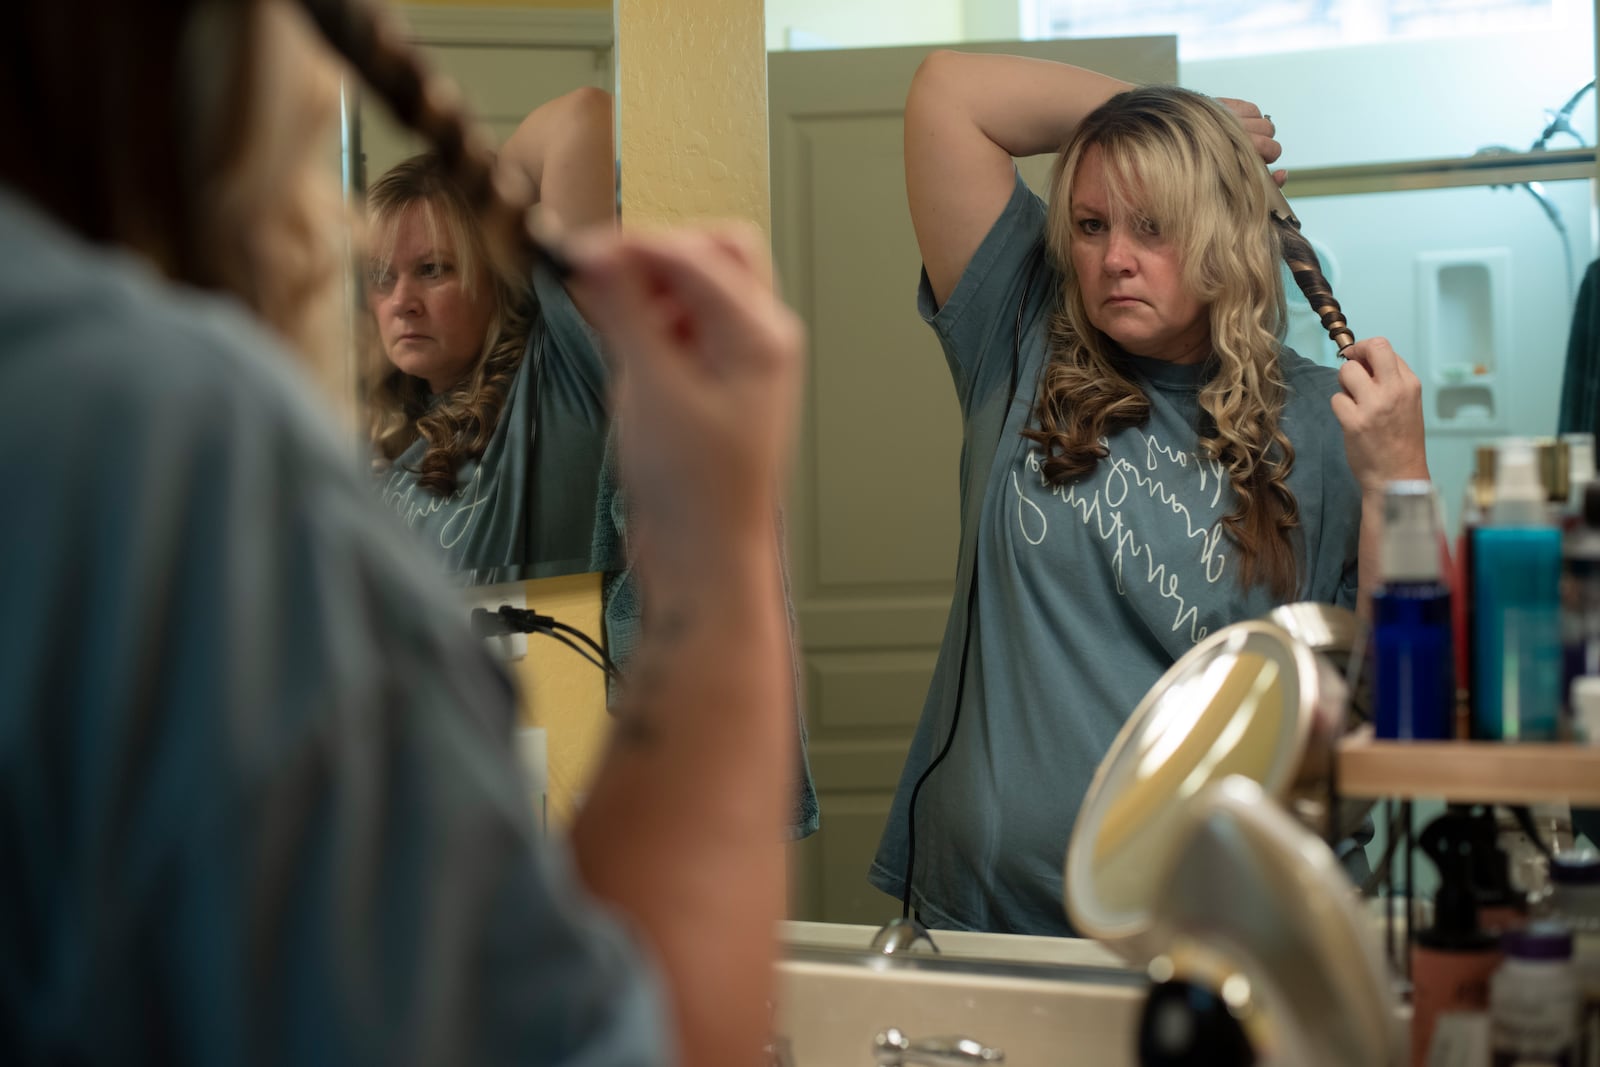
777	1052
893	1048
898	935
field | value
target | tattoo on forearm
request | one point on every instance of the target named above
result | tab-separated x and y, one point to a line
635	729
637	725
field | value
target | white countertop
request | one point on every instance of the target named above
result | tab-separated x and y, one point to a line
957	943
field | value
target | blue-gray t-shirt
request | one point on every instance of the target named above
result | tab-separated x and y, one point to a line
526	507
1085	593
258	802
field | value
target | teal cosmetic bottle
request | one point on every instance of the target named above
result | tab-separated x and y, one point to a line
1516	579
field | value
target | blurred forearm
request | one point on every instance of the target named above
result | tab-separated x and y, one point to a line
683	828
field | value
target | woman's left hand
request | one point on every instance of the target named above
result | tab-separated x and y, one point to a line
1381	412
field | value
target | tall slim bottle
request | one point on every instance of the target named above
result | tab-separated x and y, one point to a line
1580	605
1413	694
1474	506
1516	576
1580	468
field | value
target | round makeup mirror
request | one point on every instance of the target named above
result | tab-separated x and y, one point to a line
1256	909
1249	700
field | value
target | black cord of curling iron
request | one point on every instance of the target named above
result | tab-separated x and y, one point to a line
966	644
510	620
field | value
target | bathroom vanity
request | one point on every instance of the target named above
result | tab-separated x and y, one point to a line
1038	1000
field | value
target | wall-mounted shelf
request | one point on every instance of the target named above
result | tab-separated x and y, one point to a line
1479	771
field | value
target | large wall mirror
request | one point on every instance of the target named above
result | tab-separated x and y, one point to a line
1412	133
530	429
1440	157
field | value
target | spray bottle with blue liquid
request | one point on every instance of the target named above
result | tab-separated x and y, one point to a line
1414	686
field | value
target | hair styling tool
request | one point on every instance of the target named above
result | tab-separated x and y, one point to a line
371	40
510	620
1307	270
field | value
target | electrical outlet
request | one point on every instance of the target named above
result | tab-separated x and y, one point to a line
507	647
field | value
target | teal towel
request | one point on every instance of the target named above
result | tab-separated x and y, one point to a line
623	617
1580	385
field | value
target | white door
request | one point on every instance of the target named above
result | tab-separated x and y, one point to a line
873	521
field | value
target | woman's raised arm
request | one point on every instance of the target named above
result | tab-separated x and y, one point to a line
967	116
565	149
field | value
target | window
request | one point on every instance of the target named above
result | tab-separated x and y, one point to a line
1212	29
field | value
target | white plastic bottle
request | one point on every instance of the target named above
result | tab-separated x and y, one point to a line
1533	999
1575	900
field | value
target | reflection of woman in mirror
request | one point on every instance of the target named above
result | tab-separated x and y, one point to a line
488	402
1144	462
259	797
487	392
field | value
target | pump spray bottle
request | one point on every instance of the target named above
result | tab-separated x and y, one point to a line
1414	692
1452	960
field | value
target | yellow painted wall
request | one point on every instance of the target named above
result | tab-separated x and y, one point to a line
564	693
692	110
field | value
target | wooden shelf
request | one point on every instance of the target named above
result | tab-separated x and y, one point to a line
1471	771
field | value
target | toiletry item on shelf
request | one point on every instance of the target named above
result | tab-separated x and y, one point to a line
1580	603
1414	694
1502	905
1533	999
1516	574
1451	961
1580	473
1475	505
1529	834
1554	458
1575	900
1584	700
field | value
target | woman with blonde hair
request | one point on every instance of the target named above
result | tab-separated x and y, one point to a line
486	390
1144	461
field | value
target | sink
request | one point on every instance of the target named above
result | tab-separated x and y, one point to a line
834	999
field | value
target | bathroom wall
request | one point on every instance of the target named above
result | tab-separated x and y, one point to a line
692	110
564	693
1411	99
1507	305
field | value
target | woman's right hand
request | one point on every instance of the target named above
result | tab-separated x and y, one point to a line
708	376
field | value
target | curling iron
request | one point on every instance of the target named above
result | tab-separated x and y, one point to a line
1306	268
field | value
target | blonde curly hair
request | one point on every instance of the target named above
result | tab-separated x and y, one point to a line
1182	162
458	424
